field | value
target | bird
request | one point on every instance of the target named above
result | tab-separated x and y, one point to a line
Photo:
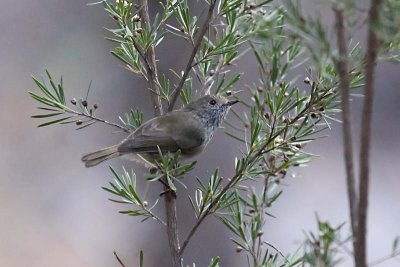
188	129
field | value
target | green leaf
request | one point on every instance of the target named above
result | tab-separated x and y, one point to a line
53	122
46	115
141	261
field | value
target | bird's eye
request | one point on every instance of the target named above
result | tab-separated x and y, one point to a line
212	102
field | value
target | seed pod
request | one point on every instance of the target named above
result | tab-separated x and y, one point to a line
238	249
73	101
95	106
136	18
139	30
182	29
307	80
84	103
79	122
271	159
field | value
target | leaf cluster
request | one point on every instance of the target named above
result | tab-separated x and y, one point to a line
322	248
124	186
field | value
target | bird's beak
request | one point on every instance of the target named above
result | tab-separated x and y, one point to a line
230	103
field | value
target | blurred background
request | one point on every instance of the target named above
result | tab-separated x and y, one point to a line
53	211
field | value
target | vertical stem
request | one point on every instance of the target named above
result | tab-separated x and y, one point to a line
341	65
172	227
365	135
170	196
151	59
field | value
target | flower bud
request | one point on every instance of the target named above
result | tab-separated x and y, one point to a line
79	122
95	106
139	30
73	101
307	80
84	103
238	249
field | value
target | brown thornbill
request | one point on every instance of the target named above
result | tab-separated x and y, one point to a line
188	129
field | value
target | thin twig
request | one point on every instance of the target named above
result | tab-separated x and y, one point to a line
196	47
154	216
365	135
141	54
125	129
381	260
118	259
276	249
341	64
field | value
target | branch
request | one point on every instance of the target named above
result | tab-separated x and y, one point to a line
365	135
170	196
151	62
341	65
196	47
381	260
172	227
125	129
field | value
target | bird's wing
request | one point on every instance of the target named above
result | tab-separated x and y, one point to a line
170	133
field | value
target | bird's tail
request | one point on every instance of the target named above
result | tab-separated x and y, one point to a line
94	158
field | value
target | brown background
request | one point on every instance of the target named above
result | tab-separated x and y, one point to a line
52	210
